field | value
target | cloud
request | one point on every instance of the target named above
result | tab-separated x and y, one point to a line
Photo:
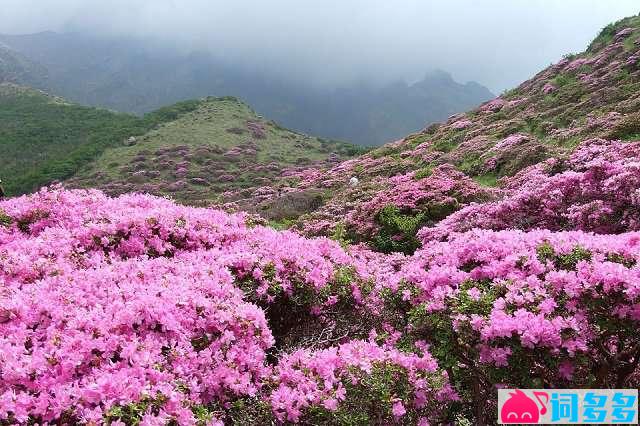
498	43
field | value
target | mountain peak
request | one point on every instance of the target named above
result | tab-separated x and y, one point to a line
438	75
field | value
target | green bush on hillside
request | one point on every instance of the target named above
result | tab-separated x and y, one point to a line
397	230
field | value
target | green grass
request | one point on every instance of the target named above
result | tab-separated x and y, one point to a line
471	163
629	43
510	93
397	230
605	37
534	127
385	151
282	224
447	143
424	172
566	145
489	180
44	138
631	137
562	80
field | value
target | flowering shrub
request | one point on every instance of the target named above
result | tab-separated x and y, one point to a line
549	88
536	309
360	382
78	346
597	189
461	124
411	200
511	155
136	309
493	106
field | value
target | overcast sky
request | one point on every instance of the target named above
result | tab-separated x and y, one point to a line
498	43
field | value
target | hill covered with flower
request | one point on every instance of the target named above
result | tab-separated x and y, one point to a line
219	145
138	309
499	249
472	157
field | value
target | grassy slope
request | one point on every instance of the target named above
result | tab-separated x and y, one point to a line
217	150
44	138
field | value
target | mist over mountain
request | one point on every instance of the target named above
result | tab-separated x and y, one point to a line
133	76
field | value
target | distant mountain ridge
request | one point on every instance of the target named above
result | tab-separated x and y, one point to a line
134	77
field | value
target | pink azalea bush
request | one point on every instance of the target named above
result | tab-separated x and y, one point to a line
549	88
597	189
461	124
493	105
433	196
528	309
82	344
348	380
138	309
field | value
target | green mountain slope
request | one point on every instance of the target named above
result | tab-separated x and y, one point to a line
44	138
221	145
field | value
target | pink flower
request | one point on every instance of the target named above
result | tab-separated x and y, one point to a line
549	88
474	293
398	409
461	124
330	404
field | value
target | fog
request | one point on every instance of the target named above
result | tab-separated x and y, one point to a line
498	43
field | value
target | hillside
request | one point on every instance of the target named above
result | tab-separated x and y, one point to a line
220	145
423	177
193	150
45	138
137	77
501	249
16	68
